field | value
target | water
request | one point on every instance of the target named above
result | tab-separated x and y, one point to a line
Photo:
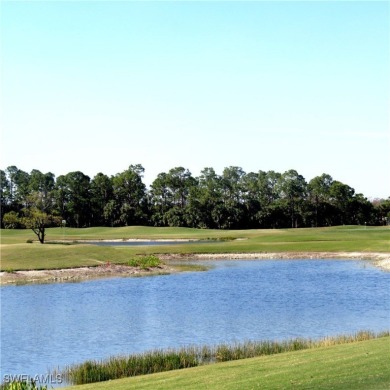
46	326
145	243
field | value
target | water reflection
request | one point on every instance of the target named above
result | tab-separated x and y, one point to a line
57	324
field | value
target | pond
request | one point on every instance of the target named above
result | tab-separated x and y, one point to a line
46	326
147	242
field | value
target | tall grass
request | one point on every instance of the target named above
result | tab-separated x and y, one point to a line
133	365
172	359
22	385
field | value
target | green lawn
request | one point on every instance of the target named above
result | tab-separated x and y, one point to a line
16	254
359	365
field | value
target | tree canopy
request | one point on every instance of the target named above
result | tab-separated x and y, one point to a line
233	199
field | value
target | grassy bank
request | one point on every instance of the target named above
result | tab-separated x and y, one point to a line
168	360
332	363
16	254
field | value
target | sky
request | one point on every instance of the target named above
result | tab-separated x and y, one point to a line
97	86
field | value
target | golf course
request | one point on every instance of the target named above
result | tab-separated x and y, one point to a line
69	247
357	362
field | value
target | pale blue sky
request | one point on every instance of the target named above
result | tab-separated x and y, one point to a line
97	86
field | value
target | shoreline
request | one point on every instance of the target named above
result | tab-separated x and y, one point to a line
77	274
378	259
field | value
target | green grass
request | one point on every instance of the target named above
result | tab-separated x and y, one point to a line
16	254
37	256
9	236
172	359
356	365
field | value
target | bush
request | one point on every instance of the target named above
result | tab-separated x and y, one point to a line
145	262
11	220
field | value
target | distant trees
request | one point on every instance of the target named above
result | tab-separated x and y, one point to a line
73	199
169	198
293	189
381	211
233	199
206	201
102	200
129	197
319	199
38	210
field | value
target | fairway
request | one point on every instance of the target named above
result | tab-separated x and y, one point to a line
17	254
359	365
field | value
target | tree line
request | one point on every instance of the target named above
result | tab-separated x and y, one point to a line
231	200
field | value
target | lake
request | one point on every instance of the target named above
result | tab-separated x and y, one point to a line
147	242
51	325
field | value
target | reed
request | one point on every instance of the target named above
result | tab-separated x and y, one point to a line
133	365
172	359
22	385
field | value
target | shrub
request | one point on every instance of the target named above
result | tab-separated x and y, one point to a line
145	262
12	220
